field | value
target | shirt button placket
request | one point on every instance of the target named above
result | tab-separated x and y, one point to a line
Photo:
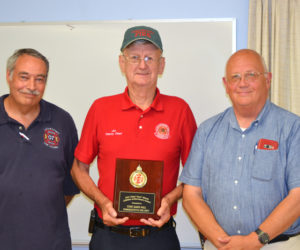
239	158
140	127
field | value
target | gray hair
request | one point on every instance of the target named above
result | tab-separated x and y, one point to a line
11	61
141	41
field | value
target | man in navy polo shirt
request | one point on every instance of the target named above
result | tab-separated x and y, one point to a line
36	151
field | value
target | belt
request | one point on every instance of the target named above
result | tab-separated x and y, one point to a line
283	237
134	231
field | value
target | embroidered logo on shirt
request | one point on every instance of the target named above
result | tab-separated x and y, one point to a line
51	138
162	131
113	132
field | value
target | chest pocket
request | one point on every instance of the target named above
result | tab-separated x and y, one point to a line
264	164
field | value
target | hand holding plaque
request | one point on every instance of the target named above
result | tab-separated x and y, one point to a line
138	187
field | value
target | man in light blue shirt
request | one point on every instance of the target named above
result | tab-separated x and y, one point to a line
242	177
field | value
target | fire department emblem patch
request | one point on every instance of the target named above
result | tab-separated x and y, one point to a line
162	131
51	138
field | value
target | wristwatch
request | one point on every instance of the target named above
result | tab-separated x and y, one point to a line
262	236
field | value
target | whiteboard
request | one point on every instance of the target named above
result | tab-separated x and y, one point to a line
84	66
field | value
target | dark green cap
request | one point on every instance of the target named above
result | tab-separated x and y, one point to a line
141	33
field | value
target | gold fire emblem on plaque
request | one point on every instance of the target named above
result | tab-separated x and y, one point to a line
138	178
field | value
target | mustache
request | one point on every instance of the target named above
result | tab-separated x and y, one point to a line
30	92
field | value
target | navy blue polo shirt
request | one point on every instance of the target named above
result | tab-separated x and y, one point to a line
34	177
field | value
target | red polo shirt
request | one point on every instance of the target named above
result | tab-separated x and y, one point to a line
117	128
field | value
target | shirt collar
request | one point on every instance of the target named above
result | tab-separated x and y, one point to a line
259	119
44	115
128	104
263	112
45	112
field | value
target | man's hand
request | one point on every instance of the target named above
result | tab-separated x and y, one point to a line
163	212
248	242
109	214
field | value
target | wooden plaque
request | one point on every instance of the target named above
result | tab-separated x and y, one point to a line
138	188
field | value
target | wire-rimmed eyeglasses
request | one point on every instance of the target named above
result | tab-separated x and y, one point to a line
250	76
137	59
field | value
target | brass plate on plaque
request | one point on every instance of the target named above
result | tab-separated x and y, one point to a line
138	188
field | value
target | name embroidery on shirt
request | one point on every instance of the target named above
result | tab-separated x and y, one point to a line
113	132
162	131
51	138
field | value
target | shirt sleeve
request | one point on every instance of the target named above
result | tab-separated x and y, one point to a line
293	158
192	172
88	146
71	141
189	128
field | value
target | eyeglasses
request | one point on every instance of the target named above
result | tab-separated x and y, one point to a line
248	77
137	59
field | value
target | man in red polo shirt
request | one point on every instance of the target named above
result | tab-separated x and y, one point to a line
141	123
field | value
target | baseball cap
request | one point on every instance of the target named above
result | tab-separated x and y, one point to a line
141	33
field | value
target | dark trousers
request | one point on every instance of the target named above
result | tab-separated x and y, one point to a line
104	239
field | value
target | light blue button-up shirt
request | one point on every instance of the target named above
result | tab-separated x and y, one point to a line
241	183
